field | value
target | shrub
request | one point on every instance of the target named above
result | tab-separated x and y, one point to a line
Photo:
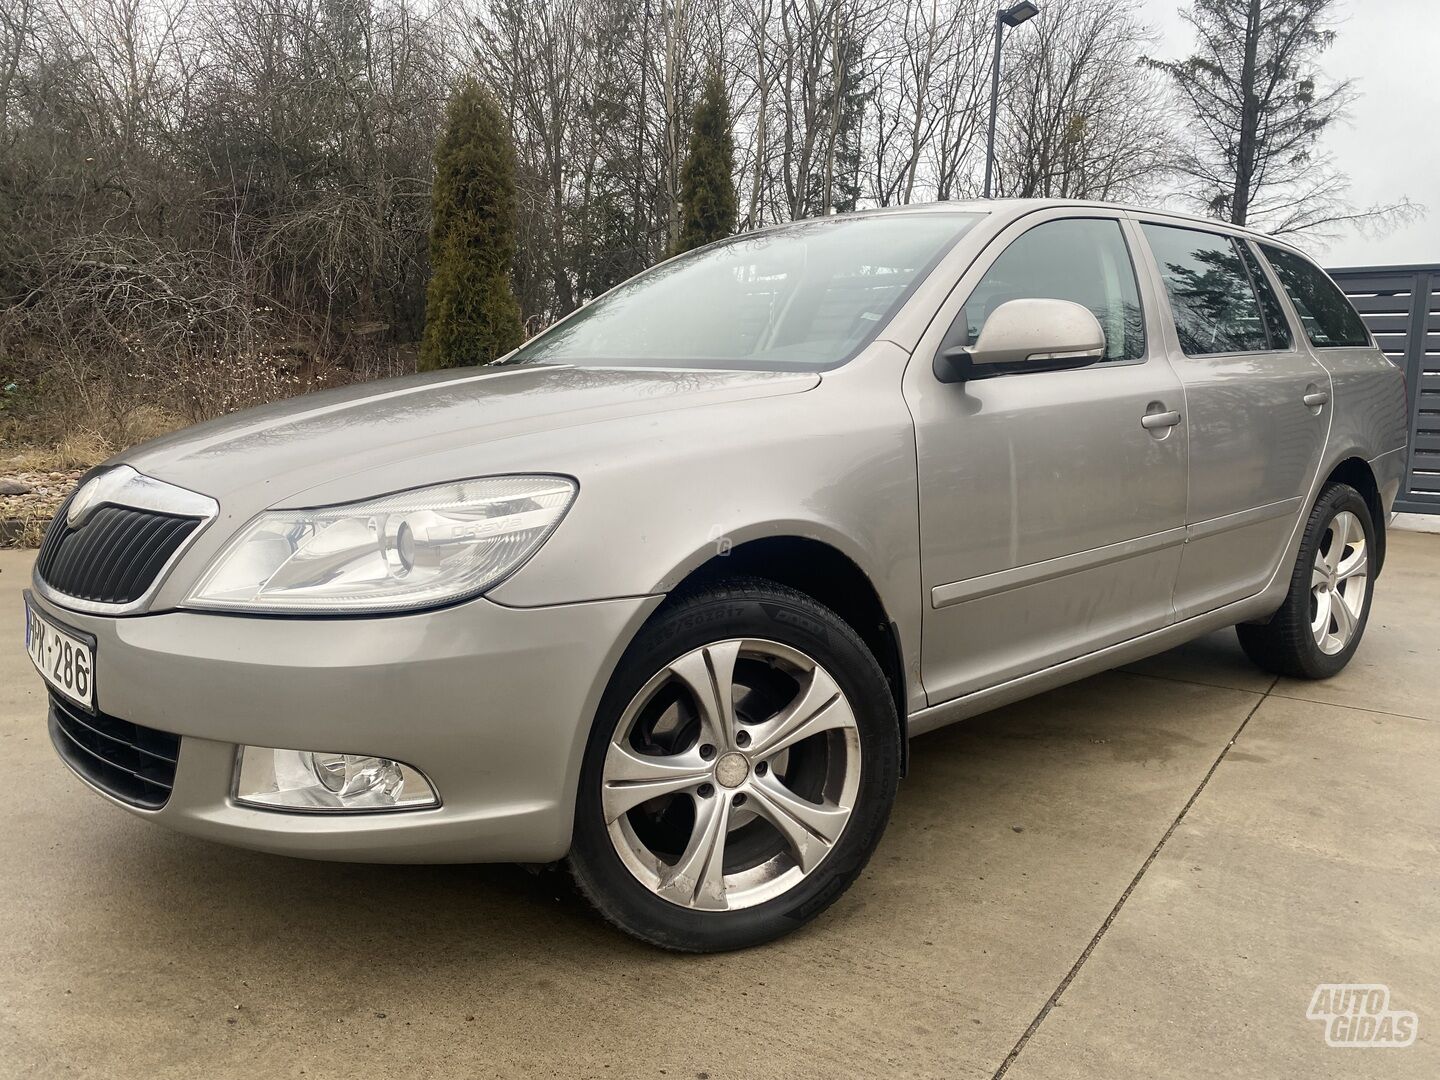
471	316
707	184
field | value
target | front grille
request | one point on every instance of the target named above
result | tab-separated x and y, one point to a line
114	556
133	763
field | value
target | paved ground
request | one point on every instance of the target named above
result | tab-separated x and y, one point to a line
1145	874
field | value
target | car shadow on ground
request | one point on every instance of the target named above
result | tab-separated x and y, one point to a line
1011	841
1047	768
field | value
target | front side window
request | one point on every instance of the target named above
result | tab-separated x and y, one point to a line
1329	319
1083	260
1210	289
805	296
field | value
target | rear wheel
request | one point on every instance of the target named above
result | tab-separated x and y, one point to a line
740	772
1319	626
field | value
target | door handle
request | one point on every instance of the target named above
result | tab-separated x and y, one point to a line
1151	421
1316	398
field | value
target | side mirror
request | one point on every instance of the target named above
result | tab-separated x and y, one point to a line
1026	335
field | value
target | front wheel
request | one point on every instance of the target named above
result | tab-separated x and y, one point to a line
740	772
1319	626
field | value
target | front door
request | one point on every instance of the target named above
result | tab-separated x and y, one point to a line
1258	413
1051	520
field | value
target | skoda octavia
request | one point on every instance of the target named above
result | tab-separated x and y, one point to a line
666	592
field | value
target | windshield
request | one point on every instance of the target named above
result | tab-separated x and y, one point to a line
800	297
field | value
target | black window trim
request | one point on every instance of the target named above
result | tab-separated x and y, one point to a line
1189	226
1250	247
1260	246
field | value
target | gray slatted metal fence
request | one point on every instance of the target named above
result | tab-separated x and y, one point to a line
1401	306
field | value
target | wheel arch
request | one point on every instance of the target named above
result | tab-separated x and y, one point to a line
1356	472
828	575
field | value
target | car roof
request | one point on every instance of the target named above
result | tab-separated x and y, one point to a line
1016	208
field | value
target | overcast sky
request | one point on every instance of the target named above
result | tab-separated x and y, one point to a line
1390	145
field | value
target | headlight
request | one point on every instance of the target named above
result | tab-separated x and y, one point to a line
414	549
301	780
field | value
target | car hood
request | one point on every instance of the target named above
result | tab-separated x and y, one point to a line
275	454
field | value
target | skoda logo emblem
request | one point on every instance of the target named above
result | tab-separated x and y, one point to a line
81	504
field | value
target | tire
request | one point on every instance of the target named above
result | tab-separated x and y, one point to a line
727	784
1320	625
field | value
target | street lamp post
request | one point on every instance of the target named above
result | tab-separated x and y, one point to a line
1011	16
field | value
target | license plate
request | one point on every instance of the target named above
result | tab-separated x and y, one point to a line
64	660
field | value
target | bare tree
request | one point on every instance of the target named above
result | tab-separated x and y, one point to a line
226	198
1080	115
20	28
926	103
754	27
234	195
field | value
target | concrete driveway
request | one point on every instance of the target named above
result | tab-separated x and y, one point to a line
1144	874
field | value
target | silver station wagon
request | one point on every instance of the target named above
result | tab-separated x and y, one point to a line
667	592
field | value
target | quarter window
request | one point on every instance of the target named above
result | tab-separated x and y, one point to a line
1275	321
1083	260
1210	290
1327	315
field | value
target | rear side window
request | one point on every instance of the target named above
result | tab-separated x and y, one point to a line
1327	315
1083	260
1211	292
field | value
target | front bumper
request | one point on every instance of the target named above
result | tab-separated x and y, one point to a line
493	704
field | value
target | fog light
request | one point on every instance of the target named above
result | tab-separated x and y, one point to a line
302	780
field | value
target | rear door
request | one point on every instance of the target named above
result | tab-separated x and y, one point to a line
1051	518
1257	409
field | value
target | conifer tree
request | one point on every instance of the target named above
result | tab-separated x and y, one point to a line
471	315
1257	106
707	180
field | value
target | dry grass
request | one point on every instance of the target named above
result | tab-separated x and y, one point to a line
77	416
81	445
79	450
51	469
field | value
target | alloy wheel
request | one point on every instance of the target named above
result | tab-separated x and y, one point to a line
731	774
1339	582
